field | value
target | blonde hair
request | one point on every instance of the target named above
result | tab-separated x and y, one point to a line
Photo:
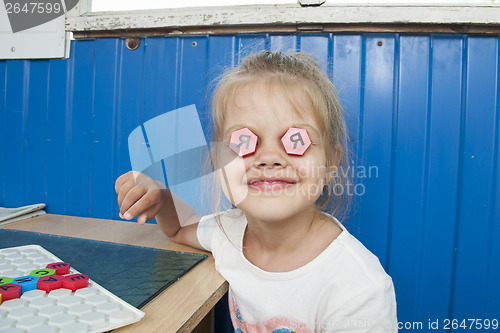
293	71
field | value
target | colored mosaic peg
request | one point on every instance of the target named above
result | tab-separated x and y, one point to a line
26	282
296	141
10	291
5	280
243	142
43	272
60	267
75	281
50	282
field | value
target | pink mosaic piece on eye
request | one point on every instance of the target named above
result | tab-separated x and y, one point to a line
296	141
243	142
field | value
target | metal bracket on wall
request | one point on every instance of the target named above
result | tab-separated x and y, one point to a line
132	43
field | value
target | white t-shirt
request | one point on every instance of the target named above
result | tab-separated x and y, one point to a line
344	289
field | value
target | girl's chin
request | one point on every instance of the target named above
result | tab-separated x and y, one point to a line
274	208
273	216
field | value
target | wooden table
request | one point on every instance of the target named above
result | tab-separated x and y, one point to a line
181	306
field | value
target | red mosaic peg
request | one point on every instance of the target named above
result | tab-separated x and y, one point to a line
50	282
60	267
75	281
243	142
10	291
296	141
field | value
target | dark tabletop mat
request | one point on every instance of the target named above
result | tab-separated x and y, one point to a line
133	273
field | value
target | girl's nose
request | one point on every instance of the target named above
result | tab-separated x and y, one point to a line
269	155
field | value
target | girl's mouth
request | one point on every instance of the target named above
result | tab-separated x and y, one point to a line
270	184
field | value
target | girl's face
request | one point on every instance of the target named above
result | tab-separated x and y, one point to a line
271	184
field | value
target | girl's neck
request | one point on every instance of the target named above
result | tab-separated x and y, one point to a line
286	237
282	246
281	236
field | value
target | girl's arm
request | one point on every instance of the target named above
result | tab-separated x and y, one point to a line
140	195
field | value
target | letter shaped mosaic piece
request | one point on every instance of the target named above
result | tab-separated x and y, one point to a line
296	141
27	282
243	142
49	283
10	291
75	281
61	268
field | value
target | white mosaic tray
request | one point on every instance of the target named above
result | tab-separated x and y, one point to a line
88	310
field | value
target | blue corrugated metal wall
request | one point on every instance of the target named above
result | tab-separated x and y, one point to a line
424	111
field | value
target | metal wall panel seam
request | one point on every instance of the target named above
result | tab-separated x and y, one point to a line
114	137
92	128
82	132
143	83
116	112
362	93
118	155
346	76
3	139
446	96
130	100
25	94
46	163
56	136
102	141
3	133
220	52
394	138
401	147
494	180
425	179
154	78
25	99
330	52
377	128
69	120
14	101
178	72
204	112
359	146
35	124
461	139
492	305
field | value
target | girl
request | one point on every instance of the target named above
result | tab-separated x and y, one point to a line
290	266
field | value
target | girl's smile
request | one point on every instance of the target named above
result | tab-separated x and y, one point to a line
270	184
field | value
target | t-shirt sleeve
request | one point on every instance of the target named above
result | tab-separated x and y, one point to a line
372	311
205	231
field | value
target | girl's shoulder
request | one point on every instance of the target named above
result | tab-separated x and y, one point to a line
228	225
357	256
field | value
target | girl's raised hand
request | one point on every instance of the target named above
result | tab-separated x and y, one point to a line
140	195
